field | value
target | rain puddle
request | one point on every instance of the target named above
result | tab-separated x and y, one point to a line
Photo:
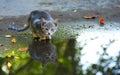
79	48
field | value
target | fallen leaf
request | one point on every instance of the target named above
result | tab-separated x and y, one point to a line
1	45
90	17
102	21
23	49
13	40
9	65
8	36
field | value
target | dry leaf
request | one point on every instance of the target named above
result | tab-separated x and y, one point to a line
13	40
90	17
8	36
102	21
9	65
23	49
1	45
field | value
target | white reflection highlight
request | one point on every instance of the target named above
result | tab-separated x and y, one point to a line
93	45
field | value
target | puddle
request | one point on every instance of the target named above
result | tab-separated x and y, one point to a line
79	48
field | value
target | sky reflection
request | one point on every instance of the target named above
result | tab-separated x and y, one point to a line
96	45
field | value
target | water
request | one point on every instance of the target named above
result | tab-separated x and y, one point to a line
84	50
98	47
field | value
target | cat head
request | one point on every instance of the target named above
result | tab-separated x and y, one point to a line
49	27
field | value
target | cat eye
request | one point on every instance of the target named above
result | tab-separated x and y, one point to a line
46	29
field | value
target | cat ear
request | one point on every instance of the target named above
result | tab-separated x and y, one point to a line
43	21
56	22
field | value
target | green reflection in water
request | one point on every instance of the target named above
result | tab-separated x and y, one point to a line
54	57
22	63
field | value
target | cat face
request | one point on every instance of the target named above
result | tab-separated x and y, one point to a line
48	27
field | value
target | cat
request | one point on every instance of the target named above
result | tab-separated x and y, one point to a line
41	23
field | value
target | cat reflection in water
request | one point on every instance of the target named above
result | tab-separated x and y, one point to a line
43	51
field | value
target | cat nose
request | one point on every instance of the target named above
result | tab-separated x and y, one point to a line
48	33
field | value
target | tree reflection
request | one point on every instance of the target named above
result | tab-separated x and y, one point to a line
69	64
